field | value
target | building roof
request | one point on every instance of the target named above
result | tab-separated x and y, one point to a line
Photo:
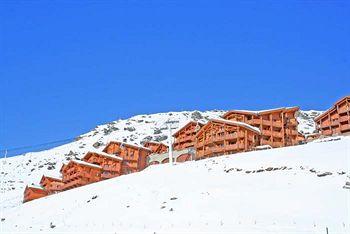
187	124
235	123
260	112
34	186
111	156
332	108
84	163
153	142
127	144
51	178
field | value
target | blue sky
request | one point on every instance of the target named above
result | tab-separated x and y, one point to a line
66	66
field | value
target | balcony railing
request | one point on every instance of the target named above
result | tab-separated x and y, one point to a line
266	132
277	123
277	134
345	127
344	118
327	132
343	109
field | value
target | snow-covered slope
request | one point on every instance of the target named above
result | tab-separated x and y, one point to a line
306	121
287	190
18	171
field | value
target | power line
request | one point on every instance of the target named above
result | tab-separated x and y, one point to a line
37	145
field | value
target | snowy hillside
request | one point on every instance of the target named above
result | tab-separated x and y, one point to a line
18	171
306	121
287	190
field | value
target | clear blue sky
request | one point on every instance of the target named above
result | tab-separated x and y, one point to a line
66	66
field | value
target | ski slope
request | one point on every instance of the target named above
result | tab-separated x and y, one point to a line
16	172
295	189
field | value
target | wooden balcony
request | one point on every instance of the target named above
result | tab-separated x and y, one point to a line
277	134
334	122
266	132
291	132
265	142
293	122
345	127
344	118
327	132
325	124
266	122
343	109
277	124
184	139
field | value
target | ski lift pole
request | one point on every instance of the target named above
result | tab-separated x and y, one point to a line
170	145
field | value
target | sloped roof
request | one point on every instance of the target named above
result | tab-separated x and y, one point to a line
127	144
259	112
84	163
187	124
332	108
111	156
235	123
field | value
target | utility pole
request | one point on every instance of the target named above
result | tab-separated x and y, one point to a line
170	145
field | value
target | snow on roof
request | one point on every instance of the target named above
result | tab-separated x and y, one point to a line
263	111
53	177
129	144
35	186
154	142
105	154
86	163
239	123
263	147
187	123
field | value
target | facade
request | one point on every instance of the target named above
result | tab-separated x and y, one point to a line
156	147
111	164
134	157
185	137
279	127
220	137
78	173
51	184
335	120
32	192
178	156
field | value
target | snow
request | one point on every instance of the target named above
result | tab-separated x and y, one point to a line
35	186
86	163
255	129
266	110
106	155
18	171
282	193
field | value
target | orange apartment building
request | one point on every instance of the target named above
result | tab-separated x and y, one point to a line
335	120
51	184
134	157
32	192
156	147
220	137
111	164
78	173
279	127
185	137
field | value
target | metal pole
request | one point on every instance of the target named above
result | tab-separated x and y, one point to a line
170	145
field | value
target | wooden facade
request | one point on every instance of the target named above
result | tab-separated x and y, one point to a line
51	184
33	192
111	164
220	137
335	120
279	127
185	137
134	157
156	147
78	173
